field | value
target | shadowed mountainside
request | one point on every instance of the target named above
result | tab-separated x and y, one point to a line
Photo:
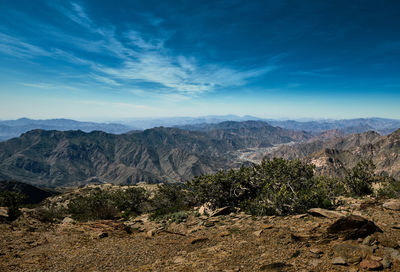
333	156
32	193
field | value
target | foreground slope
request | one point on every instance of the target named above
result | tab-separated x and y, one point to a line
235	242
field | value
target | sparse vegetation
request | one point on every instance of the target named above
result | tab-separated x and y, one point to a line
107	204
278	186
12	200
389	187
275	186
169	201
360	178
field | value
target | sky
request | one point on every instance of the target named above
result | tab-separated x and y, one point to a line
104	60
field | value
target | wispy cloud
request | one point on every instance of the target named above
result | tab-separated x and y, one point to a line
105	80
137	58
119	105
38	85
323	72
47	86
16	47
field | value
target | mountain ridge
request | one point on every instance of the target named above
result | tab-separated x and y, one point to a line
57	158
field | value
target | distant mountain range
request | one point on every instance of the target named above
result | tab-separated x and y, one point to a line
346	126
61	158
52	158
14	128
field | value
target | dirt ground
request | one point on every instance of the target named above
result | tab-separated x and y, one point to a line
234	242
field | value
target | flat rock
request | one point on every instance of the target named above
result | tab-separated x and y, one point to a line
392	253
339	261
221	211
258	233
325	213
386	263
371	264
224	233
179	260
369	240
275	267
3	211
197	240
316	251
151	233
350	251
392	205
385	240
353	227
298	216
68	220
267	226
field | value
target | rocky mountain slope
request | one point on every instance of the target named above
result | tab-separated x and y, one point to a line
333	156
55	158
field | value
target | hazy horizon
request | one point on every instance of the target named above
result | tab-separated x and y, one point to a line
101	60
233	117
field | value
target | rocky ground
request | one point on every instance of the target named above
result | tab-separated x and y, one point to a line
232	242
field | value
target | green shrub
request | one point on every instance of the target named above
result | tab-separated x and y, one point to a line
274	186
389	187
107	204
360	178
177	217
169	199
51	212
12	200
130	201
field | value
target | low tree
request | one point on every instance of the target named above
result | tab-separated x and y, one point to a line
13	201
360	178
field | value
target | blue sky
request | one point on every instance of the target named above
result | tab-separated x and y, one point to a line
98	60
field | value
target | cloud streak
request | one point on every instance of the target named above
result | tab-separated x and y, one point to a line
137	59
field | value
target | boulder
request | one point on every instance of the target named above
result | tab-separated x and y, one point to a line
392	205
351	252
68	220
353	227
391	253
205	209
385	240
